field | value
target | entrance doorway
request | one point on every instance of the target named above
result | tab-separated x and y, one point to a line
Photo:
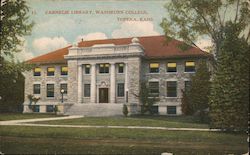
103	95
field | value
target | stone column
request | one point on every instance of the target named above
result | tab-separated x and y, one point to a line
93	84
79	84
112	83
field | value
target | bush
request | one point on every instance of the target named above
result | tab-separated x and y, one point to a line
125	110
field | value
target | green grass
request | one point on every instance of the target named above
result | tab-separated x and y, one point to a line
16	116
162	121
117	141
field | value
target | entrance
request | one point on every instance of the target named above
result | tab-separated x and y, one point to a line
103	95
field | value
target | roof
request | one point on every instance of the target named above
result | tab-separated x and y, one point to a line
154	46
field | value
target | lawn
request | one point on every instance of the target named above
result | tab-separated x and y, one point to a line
162	121
16	116
117	141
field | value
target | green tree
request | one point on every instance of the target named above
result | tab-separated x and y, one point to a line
200	88
190	19
195	99
146	101
125	110
14	24
229	100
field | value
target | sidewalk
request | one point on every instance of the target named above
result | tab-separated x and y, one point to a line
27	122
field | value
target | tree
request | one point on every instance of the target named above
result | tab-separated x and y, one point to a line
200	88
190	19
229	100
185	103
125	110
147	102
196	98
14	24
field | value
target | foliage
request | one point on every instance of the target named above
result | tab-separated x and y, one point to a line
14	24
125	110
229	100
56	109
185	104
191	19
32	99
147	102
195	99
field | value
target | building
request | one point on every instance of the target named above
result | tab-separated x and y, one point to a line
99	76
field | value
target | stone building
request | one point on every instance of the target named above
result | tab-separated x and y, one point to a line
97	77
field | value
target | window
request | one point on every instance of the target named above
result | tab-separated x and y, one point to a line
37	71
154	67
36	89
64	86
50	71
171	89
36	108
120	89
153	89
155	109
64	70
187	85
87	69
121	68
49	108
171	67
190	66
86	90
103	68
171	110
50	90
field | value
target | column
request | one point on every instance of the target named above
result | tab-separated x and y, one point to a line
93	84
126	82
79	84
112	83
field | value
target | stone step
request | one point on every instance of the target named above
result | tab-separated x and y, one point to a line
107	109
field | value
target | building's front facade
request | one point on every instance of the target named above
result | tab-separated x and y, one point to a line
99	76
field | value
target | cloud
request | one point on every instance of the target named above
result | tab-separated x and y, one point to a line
46	44
25	53
135	28
55	26
204	44
92	36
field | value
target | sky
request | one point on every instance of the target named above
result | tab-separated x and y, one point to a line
59	23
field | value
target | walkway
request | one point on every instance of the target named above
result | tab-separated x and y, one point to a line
27	122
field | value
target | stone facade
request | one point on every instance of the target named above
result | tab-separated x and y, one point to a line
136	70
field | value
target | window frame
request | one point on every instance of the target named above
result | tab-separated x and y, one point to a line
35	90
50	73
47	90
63	72
120	67
154	94
65	90
189	69
47	109
104	69
168	92
35	73
169	68
120	91
87	69
151	70
169	111
85	92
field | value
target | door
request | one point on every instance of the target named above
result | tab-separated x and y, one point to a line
103	95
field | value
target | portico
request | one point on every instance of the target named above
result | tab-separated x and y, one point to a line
102	85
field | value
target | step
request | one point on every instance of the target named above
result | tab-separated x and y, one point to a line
91	109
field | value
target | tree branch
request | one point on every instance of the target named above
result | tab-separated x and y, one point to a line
237	10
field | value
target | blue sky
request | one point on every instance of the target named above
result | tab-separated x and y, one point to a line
54	31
